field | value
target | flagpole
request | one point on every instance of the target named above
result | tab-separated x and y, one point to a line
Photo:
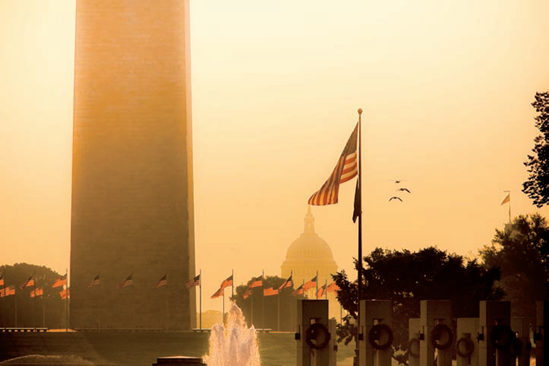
508	199
278	313
316	283
200	296
15	300
34	301
252	304
66	303
509	206
262	300
359	274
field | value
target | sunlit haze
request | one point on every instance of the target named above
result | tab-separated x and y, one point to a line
446	88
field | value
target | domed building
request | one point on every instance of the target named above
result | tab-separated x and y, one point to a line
308	256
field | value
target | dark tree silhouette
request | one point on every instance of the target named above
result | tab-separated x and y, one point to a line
406	278
537	185
47	310
521	250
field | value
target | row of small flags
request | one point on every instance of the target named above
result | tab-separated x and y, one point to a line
62	281
37	291
258	282
163	281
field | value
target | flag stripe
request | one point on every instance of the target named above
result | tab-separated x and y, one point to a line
345	170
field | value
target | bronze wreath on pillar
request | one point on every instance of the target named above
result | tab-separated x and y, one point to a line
316	331
436	335
375	334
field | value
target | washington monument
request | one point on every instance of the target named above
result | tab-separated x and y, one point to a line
132	179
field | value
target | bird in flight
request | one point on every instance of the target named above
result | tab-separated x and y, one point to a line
395	198
404	190
397	181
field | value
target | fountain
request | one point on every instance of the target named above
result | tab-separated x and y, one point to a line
234	344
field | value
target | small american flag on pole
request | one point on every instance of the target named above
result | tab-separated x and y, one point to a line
193	282
310	284
345	170
61	281
162	282
127	282
28	283
287	284
95	282
298	291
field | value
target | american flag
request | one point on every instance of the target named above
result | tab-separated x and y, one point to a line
95	282
10	290
65	293
321	291
288	283
193	282
257	282
310	284
270	291
162	282
345	170
248	293
61	281
217	293
127	282
2	292
228	282
37	292
332	287
298	291
2	279
28	283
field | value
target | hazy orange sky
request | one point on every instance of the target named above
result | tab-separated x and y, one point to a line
445	86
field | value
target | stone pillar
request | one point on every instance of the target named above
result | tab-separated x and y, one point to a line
313	335
333	342
436	320
467	346
522	346
376	317
496	335
414	338
542	318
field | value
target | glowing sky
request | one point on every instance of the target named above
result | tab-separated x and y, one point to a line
445	86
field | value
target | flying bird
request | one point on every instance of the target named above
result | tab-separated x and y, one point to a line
397	181
404	190
395	198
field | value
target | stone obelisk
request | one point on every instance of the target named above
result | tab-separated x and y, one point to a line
132	178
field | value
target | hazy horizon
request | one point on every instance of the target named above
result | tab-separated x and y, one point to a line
446	90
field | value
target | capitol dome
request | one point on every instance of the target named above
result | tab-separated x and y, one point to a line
309	255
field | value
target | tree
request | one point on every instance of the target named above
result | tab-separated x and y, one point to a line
537	185
406	278
521	250
47	310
